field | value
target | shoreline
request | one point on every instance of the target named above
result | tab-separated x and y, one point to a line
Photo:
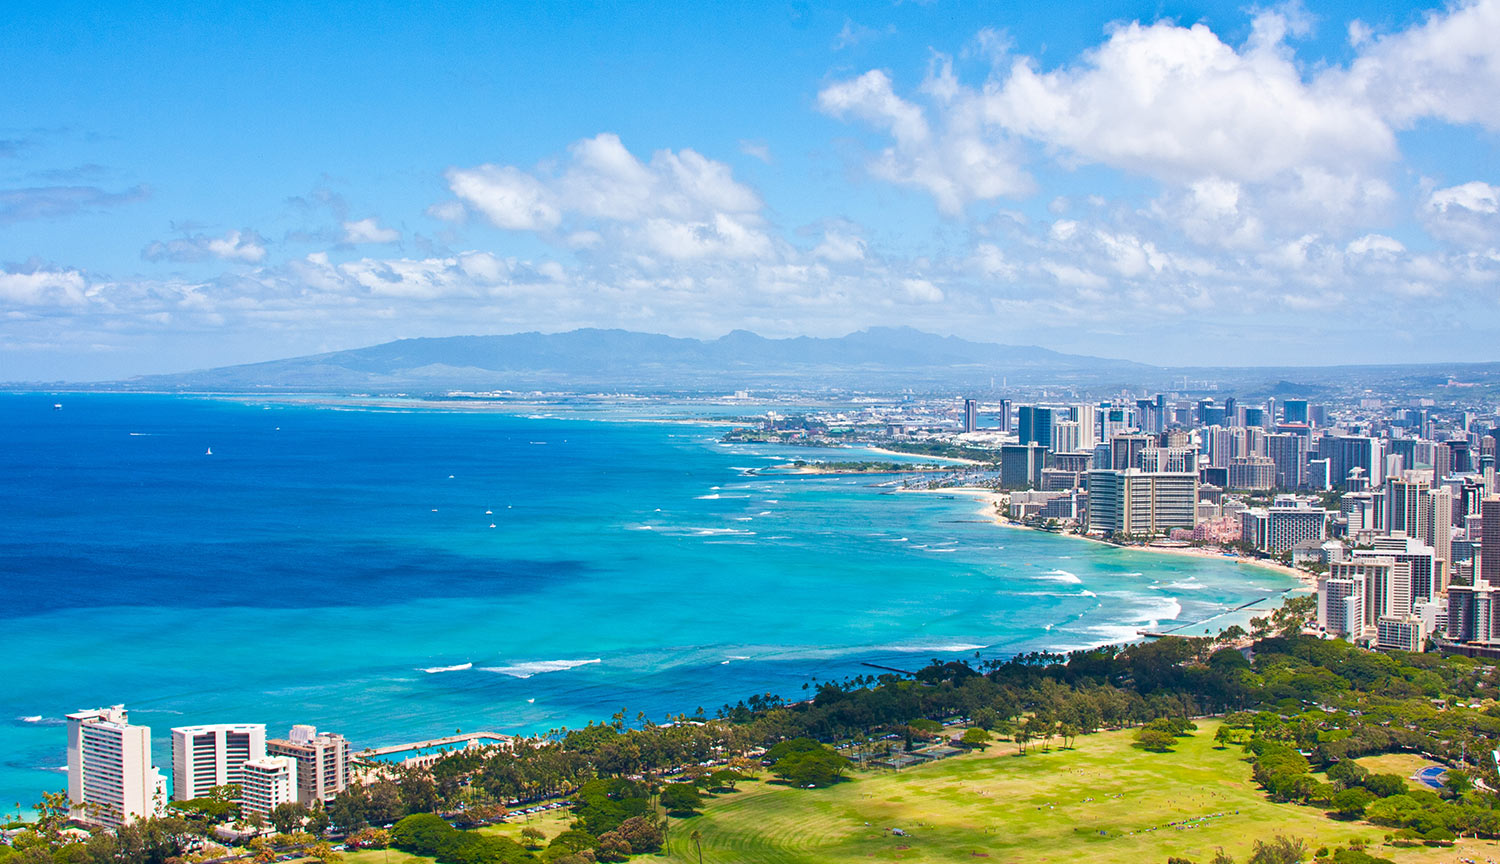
990	500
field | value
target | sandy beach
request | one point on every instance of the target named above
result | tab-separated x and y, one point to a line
992	499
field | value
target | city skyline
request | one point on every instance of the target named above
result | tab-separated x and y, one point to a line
1176	184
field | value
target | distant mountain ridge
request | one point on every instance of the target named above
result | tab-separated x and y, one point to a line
620	359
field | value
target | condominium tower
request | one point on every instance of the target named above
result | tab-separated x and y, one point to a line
111	780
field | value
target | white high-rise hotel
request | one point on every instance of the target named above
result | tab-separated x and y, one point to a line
214	755
111	780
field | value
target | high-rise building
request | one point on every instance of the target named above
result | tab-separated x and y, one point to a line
1275	530
1294	411
1426	572
1387	584
1474	614
971	415
1067	437
1437	530
1348	452
267	783
1034	426
1088	427
111	780
1004	415
1021	465
1489	539
322	762
1288	453
1139	502
1125	451
1252	473
1406	502
1171	460
1163	414
215	755
1341	610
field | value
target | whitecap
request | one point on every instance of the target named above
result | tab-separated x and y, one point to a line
35	718
1061	576
638	528
1192	584
764	513
719	532
458	667
714	497
538	667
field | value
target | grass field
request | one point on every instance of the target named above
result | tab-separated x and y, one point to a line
1405	764
1105	802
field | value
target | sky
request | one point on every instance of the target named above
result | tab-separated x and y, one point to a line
197	185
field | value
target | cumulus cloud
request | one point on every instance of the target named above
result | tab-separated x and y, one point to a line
968	158
56	202
43	287
369	231
1178	104
1467	214
244	246
1242	138
1446	68
681	205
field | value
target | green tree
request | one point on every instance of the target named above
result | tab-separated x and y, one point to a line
681	799
1278	850
289	816
1351	803
1154	740
976	737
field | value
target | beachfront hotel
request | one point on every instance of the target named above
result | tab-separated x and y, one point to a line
111	781
213	755
322	762
267	783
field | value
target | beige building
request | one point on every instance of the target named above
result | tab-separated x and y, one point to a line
111	781
267	783
322	762
1139	502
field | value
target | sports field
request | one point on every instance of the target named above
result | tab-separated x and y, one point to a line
1103	802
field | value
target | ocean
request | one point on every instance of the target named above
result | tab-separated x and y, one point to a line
395	572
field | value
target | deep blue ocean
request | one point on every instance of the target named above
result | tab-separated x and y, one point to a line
398	572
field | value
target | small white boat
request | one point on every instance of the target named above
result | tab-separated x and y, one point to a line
208	452
56	406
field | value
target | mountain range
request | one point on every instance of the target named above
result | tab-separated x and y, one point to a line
592	359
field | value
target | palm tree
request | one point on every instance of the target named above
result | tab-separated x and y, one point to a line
698	842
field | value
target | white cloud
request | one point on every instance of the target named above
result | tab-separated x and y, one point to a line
369	231
1475	196
58	288
756	149
967	159
1375	244
921	291
1467	214
245	246
840	247
1447	67
1178	104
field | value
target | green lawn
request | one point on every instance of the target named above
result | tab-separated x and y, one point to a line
1405	764
550	823
1103	802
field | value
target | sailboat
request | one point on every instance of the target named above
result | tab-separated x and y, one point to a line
208	452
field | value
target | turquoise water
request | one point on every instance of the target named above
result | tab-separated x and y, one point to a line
337	566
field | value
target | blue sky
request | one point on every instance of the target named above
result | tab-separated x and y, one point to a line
197	185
